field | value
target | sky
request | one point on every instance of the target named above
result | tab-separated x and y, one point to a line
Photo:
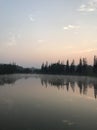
35	31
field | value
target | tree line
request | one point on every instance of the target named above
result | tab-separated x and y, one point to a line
70	68
55	68
13	68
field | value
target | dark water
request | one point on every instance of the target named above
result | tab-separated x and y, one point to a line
37	102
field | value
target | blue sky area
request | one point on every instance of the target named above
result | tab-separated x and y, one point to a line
35	31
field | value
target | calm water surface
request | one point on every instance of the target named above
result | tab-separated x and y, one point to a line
42	102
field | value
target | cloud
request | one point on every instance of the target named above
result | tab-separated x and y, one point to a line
87	50
40	41
91	6
70	27
12	39
32	18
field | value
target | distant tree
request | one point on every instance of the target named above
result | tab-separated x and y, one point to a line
84	68
72	67
46	67
67	67
8	68
79	67
42	67
60	68
95	65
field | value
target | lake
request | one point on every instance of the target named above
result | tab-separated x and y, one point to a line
47	102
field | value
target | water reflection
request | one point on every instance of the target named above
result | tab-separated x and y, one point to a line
7	80
29	104
61	82
68	82
12	78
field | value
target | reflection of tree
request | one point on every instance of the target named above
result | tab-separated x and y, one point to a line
82	87
44	82
95	90
11	79
79	83
83	84
7	80
59	83
85	87
72	84
67	85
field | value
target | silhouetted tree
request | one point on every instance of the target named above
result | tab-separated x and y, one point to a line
42	67
72	67
84	68
67	67
79	67
95	65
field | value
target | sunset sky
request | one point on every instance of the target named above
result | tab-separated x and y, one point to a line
35	31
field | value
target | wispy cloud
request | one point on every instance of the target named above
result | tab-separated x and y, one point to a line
32	18
12	39
91	6
87	50
70	27
40	41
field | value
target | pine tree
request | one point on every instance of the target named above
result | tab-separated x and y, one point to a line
95	65
84	68
67	67
72	67
79	67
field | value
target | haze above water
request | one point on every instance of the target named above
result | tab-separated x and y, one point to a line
46	102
